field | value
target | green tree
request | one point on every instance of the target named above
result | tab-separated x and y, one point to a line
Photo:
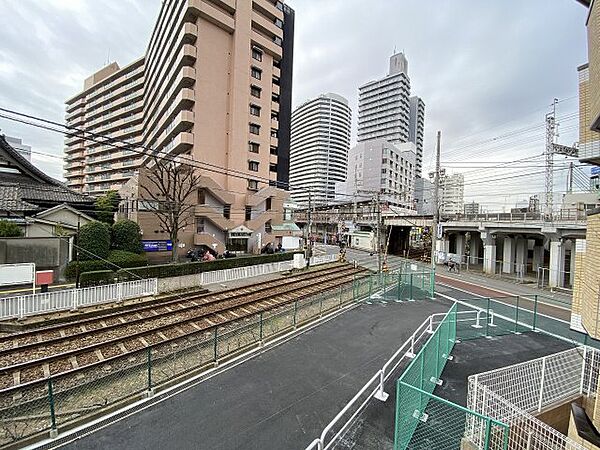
10	229
126	236
94	240
106	206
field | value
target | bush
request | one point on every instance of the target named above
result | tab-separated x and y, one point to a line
122	259
84	266
106	206
94	241
126	236
174	270
10	229
96	278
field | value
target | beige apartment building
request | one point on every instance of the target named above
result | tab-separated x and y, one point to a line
585	310
213	90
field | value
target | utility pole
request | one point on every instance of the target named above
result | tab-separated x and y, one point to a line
570	179
550	135
379	260
436	200
77	249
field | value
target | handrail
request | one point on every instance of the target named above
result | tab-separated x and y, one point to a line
425	328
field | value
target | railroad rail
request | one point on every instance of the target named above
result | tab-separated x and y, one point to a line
66	348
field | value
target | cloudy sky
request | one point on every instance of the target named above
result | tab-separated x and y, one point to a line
487	70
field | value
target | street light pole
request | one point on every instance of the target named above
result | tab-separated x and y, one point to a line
436	212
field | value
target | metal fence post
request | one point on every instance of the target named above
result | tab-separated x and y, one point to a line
260	318
149	364
296	312
487	317
370	286
53	430
321	305
341	295
215	347
411	289
119	292
582	370
488	430
398	287
541	399
535	301
517	316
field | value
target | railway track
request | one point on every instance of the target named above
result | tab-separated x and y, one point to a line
38	354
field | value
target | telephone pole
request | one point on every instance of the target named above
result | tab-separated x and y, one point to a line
436	200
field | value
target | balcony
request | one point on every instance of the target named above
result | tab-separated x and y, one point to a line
79	103
269	8
212	14
268	45
266	26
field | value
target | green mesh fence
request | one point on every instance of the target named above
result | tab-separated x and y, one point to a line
427	422
401	286
62	400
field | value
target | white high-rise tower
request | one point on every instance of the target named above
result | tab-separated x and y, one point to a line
320	139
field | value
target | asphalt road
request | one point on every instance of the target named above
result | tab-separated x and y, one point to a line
280	400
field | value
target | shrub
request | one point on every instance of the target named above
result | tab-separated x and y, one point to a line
10	229
84	266
96	278
121	258
174	270
126	236
94	241
106	206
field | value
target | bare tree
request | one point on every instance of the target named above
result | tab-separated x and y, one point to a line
169	186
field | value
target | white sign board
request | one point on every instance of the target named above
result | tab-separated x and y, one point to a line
17	273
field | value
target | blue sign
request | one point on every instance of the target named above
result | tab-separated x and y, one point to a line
158	246
595	170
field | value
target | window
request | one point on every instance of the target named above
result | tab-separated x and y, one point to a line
383	171
276	80
273	167
278	40
201	197
199	225
273	150
257	54
255	91
268	204
255	72
255	110
273	133
252	185
275	98
254	128
268	228
278	23
275	115
253	147
227	211
253	166
248	215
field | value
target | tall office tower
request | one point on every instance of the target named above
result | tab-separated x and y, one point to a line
383	105
319	148
214	86
415	130
452	193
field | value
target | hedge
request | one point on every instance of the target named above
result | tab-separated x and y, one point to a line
126	236
96	278
118	258
174	270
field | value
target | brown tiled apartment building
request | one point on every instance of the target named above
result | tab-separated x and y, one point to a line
215	87
585	309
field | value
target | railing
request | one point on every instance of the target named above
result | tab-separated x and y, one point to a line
56	402
375	387
71	299
240	273
557	216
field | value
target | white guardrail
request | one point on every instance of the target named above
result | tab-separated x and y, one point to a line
70	299
375	387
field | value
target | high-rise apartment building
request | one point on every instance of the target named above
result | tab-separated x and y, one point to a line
452	193
472	208
320	141
416	127
377	166
214	88
387	111
383	105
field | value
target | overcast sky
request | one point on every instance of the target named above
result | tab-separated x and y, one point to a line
487	70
